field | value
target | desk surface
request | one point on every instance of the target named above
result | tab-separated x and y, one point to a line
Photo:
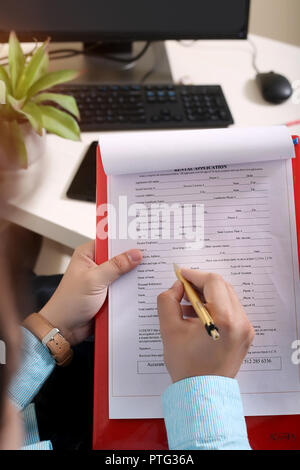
47	211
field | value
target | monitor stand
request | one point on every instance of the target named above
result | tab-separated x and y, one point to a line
96	68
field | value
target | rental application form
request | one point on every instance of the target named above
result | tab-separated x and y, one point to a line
250	239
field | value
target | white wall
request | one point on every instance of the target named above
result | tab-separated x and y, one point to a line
276	19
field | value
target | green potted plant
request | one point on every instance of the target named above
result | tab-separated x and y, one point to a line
29	109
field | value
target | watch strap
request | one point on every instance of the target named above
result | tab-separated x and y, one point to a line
51	337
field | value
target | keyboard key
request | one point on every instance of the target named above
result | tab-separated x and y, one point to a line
138	119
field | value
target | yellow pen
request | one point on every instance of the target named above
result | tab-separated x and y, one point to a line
198	306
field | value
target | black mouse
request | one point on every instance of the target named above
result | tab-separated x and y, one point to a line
274	87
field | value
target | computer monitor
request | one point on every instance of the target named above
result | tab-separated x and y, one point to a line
124	20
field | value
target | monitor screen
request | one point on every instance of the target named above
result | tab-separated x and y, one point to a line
96	20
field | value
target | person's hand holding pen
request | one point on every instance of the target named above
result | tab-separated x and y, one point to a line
188	350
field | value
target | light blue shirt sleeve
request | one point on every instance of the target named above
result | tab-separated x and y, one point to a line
31	431
205	412
36	366
42	445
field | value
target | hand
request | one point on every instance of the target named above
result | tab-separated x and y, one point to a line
83	289
189	351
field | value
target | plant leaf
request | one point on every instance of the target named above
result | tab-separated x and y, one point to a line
65	101
15	104
32	70
16	60
5	78
59	123
34	116
30	111
51	79
44	66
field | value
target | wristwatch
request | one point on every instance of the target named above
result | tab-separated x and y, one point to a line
59	347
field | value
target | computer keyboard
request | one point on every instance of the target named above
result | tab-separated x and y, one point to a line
133	107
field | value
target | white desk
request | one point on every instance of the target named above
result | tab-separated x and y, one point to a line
48	212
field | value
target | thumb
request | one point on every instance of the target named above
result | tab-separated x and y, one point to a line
111	270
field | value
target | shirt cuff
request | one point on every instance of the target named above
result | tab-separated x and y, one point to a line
37	364
43	445
205	413
31	430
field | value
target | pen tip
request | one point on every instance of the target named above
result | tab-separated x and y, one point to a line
215	335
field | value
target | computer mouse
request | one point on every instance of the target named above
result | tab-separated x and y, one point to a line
275	88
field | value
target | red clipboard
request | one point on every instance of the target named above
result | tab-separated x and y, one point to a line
265	432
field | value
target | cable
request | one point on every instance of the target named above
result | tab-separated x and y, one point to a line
26	55
254	55
147	74
156	63
131	59
89	51
67	53
72	52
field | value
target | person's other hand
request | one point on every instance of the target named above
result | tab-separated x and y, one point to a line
82	291
188	350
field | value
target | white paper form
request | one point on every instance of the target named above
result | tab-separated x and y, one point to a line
250	239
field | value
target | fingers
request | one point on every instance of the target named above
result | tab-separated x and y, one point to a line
212	285
87	249
119	265
220	299
201	278
169	308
